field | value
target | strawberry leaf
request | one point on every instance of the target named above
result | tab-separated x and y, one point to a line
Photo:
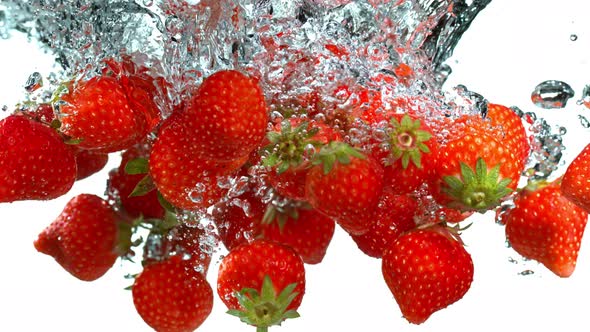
137	166
143	187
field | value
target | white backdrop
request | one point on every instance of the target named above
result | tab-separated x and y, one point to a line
511	47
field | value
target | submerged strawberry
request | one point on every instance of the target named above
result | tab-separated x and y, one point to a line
227	115
547	227
575	184
35	163
171	296
86	238
426	270
262	283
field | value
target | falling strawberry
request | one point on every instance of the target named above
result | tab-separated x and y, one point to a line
262	283
394	216
171	296
86	238
179	173
96	114
123	182
345	185
575	184
227	116
475	170
35	163
546	226
426	270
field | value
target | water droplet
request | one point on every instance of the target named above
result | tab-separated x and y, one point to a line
526	272
583	121
4	108
573	37
585	97
34	82
148	3
552	94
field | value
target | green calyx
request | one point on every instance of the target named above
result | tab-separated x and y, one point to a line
264	309
407	141
288	148
281	214
333	152
478	190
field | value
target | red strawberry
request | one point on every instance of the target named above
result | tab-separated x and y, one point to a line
89	162
304	229
288	153
345	185
547	227
227	115
394	216
511	131
262	282
86	238
410	156
121	185
171	296
35	163
426	270
97	112
184	178
475	169
575	184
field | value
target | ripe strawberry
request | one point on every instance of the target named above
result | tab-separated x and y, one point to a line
35	163
121	185
426	270
547	227
182	177
262	282
227	115
575	184
288	152
171	296
86	238
345	185
304	229
410	158
97	112
394	216
89	162
475	169
511	131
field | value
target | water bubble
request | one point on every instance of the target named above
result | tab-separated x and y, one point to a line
583	121
573	37
4	108
585	97
526	272
552	94
34	82
148	3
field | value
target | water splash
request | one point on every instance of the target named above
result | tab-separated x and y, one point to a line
552	94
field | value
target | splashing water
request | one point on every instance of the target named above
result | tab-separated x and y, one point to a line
552	94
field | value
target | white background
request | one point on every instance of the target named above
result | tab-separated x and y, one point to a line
511	47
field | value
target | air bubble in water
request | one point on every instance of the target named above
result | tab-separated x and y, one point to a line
573	37
583	121
552	94
34	82
585	97
526	272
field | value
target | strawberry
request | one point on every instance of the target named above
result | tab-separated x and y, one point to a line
179	173
426	270
86	238
410	158
575	184
89	162
35	163
394	216
290	145
121	185
511	131
345	185
96	113
262	283
547	227
171	296
475	170
227	115
302	228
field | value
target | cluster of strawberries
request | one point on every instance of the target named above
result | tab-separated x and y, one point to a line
276	189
